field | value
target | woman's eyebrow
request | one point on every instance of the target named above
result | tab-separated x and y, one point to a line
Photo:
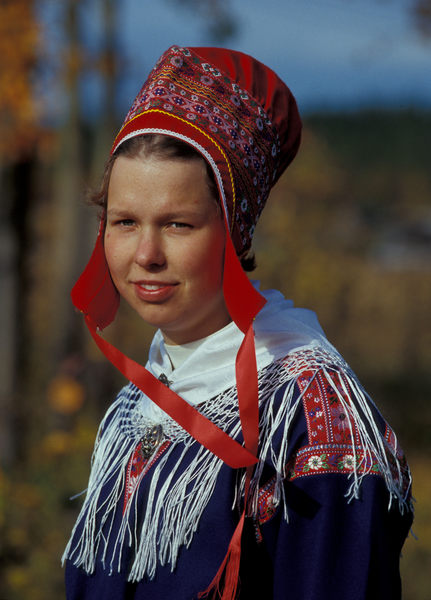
120	213
182	213
178	213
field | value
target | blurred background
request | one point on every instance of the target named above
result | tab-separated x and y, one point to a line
347	231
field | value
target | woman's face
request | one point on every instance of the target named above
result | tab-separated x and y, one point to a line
164	244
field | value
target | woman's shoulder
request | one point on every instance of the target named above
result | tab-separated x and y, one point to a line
326	423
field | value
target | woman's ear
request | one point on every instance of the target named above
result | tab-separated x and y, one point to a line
248	260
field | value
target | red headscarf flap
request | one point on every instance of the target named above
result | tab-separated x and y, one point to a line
94	294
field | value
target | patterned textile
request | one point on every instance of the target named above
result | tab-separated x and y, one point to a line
331	431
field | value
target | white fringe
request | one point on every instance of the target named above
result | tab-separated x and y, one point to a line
171	518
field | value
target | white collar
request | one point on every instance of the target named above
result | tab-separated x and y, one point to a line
210	369
178	353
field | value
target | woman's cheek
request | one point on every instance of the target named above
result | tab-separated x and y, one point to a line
113	251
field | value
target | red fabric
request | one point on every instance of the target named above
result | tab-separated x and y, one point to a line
248	391
243	301
94	294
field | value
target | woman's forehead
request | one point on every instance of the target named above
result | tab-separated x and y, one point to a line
166	162
166	182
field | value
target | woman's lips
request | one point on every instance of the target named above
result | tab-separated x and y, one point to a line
154	291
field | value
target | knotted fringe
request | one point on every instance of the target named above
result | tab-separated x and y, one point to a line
371	441
180	506
183	494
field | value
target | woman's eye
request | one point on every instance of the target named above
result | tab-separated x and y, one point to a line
125	222
177	225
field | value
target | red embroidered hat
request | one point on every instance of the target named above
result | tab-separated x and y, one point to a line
243	120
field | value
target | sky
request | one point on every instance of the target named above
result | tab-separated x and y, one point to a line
333	54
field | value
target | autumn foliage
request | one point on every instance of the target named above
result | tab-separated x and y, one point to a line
19	52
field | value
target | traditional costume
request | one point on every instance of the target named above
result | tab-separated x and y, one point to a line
258	464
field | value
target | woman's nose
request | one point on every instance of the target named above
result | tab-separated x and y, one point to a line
149	251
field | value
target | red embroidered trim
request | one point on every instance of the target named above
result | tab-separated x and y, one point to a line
265	507
137	464
330	458
330	430
327	421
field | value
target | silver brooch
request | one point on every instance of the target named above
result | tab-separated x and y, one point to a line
164	380
151	440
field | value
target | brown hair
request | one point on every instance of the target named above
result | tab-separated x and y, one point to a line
164	147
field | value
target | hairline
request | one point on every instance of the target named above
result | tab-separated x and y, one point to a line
200	150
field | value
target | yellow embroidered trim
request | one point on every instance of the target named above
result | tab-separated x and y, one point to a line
192	87
156	110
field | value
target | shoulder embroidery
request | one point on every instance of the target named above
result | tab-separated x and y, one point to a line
334	444
344	434
327	421
331	433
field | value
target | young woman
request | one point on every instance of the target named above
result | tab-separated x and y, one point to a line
245	459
